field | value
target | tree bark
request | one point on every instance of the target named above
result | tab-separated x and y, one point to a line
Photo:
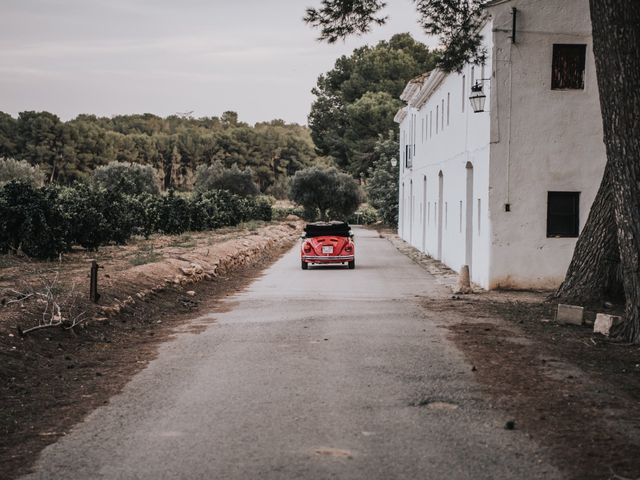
591	275
616	47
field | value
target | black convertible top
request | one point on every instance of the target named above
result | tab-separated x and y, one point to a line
319	229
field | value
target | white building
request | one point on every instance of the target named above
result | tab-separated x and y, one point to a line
506	191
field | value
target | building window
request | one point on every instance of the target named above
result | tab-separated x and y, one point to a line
442	119
407	156
567	69
562	214
437	115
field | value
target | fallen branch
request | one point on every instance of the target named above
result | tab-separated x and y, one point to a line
615	476
21	299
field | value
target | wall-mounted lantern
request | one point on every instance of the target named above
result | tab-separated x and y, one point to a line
394	162
477	98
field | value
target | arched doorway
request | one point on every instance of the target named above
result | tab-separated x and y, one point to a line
440	219
424	213
468	252
411	212
401	212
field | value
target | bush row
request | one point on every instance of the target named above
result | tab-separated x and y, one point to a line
44	222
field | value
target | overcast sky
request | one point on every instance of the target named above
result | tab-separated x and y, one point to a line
109	57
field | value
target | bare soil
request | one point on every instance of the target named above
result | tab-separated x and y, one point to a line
51	378
575	392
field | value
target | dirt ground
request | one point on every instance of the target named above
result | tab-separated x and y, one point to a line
575	392
51	378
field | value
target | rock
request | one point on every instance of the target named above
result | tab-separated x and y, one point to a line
569	314
191	293
464	282
605	322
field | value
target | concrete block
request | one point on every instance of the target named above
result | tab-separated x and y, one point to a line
569	314
605	322
464	282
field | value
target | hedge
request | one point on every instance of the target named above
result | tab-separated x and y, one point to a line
45	222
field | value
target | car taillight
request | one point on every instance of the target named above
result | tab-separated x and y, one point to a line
307	248
348	248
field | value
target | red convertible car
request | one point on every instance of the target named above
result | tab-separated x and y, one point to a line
327	243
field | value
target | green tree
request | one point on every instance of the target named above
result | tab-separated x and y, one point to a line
382	184
365	85
8	135
40	141
21	171
127	178
326	193
234	180
369	117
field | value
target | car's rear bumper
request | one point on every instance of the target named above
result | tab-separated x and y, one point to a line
328	259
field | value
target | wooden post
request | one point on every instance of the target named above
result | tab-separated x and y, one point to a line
94	296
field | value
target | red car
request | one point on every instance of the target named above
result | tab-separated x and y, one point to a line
327	243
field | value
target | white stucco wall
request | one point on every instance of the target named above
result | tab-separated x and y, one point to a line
532	140
542	140
460	138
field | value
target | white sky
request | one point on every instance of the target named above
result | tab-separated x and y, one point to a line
109	57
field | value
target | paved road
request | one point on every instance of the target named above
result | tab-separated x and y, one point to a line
312	374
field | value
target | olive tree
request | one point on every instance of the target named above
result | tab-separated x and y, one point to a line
325	193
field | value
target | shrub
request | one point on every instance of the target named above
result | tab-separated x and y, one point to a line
282	213
20	171
83	207
122	213
280	187
30	221
216	177
148	216
261	209
365	215
174	214
127	178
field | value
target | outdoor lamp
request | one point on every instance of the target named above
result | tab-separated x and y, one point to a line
477	98
394	162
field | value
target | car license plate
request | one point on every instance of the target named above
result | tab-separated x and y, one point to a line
327	249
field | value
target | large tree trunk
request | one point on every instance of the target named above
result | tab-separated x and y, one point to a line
616	47
592	272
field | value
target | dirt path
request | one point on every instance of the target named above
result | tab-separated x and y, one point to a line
51	379
576	392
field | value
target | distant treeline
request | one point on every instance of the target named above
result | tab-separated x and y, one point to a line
174	146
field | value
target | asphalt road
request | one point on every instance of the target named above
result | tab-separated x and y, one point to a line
317	374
